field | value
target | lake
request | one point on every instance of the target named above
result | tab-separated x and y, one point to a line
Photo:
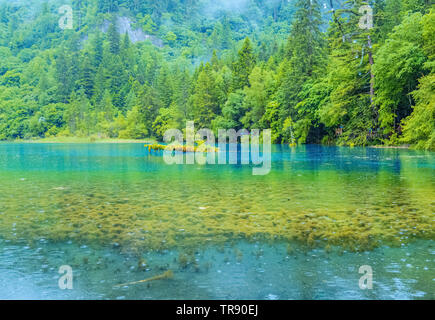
118	214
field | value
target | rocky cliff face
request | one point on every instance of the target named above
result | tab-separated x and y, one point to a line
135	35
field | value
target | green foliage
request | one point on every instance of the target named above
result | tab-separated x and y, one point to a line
303	60
114	38
204	102
399	64
243	66
257	95
134	128
168	118
419	127
171	37
147	23
309	75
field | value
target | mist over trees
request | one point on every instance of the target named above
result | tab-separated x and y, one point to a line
133	69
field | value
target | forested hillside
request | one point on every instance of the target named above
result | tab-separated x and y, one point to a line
131	69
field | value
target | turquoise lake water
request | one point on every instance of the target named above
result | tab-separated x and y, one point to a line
117	214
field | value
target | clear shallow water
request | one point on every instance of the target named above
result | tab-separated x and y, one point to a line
118	214
242	271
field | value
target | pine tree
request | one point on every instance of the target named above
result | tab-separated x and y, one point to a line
97	50
86	80
349	112
243	66
164	85
204	103
304	57
63	77
114	38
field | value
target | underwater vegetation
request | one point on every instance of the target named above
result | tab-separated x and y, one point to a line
135	204
126	222
133	219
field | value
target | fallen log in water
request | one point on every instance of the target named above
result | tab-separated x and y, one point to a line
166	275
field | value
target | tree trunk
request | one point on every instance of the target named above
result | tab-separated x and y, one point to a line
372	76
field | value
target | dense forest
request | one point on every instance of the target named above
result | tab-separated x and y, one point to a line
131	69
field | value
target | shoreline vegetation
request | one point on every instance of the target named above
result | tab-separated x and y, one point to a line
304	69
151	141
